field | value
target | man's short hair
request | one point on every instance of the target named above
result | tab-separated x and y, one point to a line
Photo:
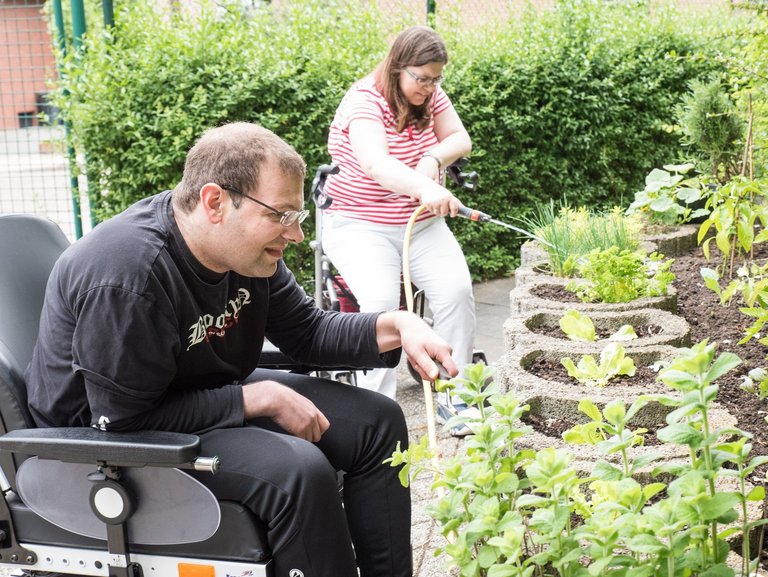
234	155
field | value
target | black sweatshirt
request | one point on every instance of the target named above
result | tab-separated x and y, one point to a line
136	334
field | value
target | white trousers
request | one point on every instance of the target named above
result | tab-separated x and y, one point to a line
369	258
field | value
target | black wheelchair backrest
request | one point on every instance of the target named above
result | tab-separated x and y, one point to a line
29	246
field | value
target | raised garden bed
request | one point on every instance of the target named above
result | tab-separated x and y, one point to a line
654	327
551	295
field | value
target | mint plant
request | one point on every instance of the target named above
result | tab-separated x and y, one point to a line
609	431
513	512
618	276
693	374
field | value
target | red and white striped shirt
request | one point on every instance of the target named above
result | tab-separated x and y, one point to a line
356	195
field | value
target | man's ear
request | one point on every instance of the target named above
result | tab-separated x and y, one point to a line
212	198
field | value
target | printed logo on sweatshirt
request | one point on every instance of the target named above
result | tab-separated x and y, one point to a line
208	326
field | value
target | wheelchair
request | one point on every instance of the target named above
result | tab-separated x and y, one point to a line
78	501
331	291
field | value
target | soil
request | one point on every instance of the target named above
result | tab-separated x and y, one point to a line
553	330
724	325
555	291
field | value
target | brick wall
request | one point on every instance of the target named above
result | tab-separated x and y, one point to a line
26	61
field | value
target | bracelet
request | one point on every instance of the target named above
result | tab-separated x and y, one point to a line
437	160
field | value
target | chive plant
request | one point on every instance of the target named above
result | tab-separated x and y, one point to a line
570	234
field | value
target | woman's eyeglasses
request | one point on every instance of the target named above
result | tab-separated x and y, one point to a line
287	217
424	80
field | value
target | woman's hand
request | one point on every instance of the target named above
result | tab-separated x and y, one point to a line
440	202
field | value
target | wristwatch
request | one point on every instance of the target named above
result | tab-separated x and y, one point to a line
437	160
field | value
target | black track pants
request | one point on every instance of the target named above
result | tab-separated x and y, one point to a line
291	484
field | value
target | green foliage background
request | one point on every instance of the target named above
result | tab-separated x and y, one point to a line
575	103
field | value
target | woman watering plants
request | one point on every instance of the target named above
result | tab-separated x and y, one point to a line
393	134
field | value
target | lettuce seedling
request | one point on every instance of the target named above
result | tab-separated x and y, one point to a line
613	362
579	327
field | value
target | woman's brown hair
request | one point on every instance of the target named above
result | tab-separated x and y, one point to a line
416	46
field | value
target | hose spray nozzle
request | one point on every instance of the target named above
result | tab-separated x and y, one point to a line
472	214
477	216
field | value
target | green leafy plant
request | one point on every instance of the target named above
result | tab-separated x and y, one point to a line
750	285
506	511
736	208
609	431
613	363
714	453
579	327
756	381
669	194
614	275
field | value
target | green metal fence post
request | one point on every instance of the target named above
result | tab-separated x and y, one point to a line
58	15
108	9
78	31
78	23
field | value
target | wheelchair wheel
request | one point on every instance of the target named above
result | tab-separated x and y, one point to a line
347	377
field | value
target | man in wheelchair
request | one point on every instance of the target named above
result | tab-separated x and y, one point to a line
156	320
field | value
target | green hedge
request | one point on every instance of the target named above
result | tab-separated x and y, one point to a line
576	103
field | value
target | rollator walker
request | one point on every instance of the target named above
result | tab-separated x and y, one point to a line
330	290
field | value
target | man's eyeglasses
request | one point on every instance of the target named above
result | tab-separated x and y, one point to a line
424	80
287	217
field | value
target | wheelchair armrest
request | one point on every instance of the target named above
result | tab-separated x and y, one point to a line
273	358
88	445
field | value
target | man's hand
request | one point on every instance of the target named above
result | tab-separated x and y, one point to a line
296	414
420	343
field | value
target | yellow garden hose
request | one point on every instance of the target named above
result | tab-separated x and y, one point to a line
427	386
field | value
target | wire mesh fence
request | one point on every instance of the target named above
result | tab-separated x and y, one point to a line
34	166
34	171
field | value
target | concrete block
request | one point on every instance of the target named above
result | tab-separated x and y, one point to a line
672	330
523	299
560	399
673	241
